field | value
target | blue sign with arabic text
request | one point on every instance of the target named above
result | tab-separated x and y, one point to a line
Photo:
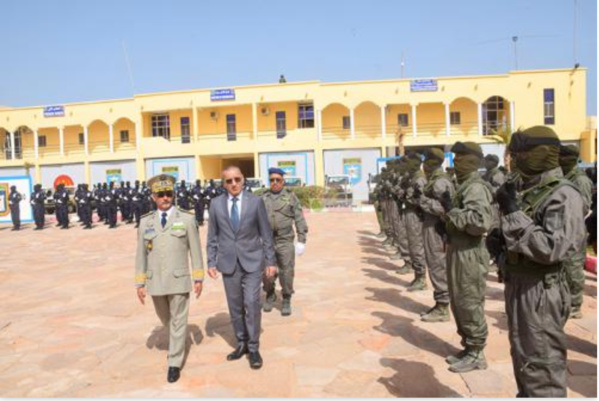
54	111
222	94
423	85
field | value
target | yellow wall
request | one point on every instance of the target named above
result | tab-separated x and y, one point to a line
98	138
368	120
243	119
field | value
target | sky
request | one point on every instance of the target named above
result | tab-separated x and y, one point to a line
57	52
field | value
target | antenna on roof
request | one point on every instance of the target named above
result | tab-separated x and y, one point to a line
128	67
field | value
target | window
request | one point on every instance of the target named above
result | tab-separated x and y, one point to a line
346	122
185	130
161	125
231	128
81	139
41	141
306	116
549	106
455	118
402	120
124	136
281	124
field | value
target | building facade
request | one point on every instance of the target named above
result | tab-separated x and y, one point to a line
311	129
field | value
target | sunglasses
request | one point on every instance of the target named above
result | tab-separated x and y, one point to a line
162	194
229	181
276	180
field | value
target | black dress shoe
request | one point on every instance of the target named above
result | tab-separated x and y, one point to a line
173	374
255	360
238	353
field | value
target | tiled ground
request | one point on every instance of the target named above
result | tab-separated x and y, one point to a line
71	326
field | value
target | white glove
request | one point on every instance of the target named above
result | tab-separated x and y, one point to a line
300	248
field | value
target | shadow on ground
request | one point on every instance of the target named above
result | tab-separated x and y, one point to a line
413	379
159	339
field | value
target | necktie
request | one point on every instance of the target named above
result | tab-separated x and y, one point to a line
235	215
163	221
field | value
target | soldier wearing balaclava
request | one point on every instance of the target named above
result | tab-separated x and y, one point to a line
468	219
541	230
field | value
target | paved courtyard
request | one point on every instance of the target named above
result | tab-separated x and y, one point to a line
71	325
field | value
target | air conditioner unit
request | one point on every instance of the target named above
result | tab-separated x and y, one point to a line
214	115
265	110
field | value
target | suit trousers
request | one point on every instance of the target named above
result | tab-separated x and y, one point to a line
243	297
172	310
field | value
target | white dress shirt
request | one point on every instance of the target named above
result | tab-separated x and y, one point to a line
239	203
168	213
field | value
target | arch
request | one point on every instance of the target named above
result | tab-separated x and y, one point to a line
94	121
368	119
462	99
123	119
334	104
366	102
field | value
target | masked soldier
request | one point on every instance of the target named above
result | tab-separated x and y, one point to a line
197	193
391	177
182	196
385	198
136	196
541	231
284	210
414	219
376	201
61	197
147	198
14	198
77	196
496	178
574	267
468	219
37	202
434	235
98	198
110	199
399	224
85	201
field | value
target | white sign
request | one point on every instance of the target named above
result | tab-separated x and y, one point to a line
23	184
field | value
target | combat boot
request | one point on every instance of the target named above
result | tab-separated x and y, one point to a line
271	297
381	235
474	359
452	359
395	256
419	284
440	313
576	313
405	269
286	308
388	241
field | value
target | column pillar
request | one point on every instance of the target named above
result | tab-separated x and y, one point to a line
512	116
414	121
383	122
12	145
111	135
255	120
352	126
61	139
85	145
36	144
447	120
480	118
138	134
319	124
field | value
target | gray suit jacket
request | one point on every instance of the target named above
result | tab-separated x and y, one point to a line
252	244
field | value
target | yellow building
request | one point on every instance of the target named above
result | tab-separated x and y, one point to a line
309	128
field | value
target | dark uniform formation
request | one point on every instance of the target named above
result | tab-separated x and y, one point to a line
530	222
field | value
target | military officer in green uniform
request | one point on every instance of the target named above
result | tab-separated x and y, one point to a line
541	231
468	219
434	234
568	160
167	239
284	210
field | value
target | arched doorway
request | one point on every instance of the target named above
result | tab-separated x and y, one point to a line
495	115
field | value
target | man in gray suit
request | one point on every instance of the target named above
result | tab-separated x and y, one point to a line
239	246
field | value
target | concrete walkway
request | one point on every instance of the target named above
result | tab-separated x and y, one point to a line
71	326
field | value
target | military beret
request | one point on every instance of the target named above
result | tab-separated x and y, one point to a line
569	150
492	158
472	148
162	182
435	153
275	170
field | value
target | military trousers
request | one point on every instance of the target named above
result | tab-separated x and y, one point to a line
385	211
15	215
467	268
86	214
38	215
399	227
62	215
537	309
574	269
172	310
285	254
379	215
199	211
436	259
415	240
393	220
